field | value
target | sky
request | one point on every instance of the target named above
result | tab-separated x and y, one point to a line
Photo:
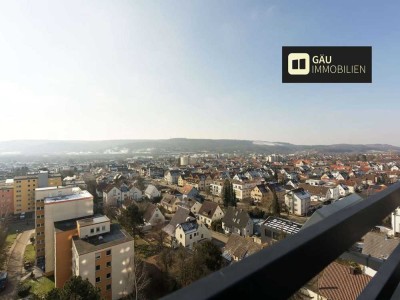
96	70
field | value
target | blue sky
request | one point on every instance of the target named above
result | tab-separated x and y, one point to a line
94	70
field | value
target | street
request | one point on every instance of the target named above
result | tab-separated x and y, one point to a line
15	264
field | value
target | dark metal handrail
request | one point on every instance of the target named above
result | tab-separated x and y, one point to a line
279	271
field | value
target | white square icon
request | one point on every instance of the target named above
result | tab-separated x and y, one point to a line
298	63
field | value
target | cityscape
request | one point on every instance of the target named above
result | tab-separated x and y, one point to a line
199	150
144	225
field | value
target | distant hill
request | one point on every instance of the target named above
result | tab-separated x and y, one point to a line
52	147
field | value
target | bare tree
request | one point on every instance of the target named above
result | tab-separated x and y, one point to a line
137	277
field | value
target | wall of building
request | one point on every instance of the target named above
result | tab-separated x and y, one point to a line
6	200
24	194
99	228
122	268
60	211
63	256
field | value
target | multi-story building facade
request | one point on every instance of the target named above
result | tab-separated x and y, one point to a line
6	199
104	254
298	202
216	187
24	189
55	204
243	189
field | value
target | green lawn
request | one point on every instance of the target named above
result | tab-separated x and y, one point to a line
29	254
41	286
10	239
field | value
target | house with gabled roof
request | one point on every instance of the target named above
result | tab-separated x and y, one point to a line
239	247
153	215
336	281
182	215
170	202
152	192
261	193
191	232
189	191
237	221
209	212
172	176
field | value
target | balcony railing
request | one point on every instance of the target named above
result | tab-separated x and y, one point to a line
277	272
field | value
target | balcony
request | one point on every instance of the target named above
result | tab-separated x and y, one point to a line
279	271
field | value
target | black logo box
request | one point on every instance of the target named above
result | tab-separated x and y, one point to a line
345	56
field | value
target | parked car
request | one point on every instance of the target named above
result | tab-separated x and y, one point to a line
3	280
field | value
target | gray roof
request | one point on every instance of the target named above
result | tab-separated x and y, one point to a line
189	225
330	209
235	218
378	245
208	209
240	247
149	212
179	217
115	236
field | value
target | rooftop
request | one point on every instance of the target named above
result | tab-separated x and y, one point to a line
93	220
76	196
115	236
282	225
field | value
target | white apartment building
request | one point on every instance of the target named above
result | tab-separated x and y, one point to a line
103	254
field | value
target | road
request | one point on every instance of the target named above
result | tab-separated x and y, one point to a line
15	264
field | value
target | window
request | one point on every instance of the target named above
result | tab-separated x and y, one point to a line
98	255
97	229
92	230
190	236
103	228
108	252
108	264
108	275
97	267
108	287
98	279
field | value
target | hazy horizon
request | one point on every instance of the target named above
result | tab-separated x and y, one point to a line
102	70
178	138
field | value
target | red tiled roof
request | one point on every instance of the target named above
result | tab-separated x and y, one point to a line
337	283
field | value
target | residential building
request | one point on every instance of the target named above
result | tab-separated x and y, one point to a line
209	212
378	245
54	204
24	189
237	221
182	215
298	201
189	191
317	192
153	215
337	281
170	203
216	187
172	176
239	247
190	232
103	253
152	192
6	199
261	193
243	189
